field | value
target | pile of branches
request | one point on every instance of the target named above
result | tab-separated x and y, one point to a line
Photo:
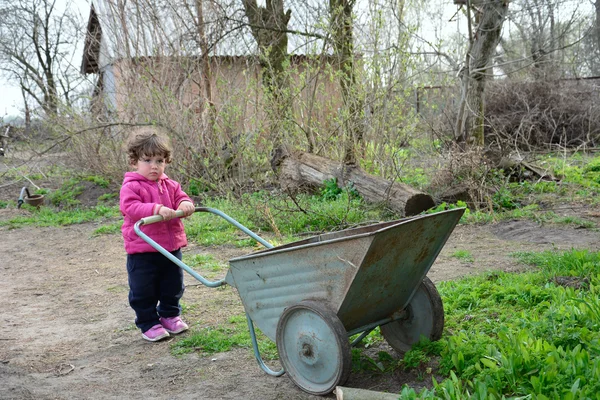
543	115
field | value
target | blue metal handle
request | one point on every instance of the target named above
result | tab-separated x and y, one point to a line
182	265
171	257
236	224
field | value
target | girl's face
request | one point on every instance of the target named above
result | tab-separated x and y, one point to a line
150	168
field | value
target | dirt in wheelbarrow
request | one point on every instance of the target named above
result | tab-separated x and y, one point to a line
68	333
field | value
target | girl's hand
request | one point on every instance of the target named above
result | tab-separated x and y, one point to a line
187	208
166	213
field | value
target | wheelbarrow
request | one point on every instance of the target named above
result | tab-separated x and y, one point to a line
312	295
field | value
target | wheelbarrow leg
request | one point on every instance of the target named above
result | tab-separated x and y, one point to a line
257	352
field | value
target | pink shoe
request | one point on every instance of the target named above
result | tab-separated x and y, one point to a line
156	333
173	325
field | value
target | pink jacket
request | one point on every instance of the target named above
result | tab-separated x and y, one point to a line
141	197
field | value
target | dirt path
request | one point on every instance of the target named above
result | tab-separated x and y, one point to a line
69	334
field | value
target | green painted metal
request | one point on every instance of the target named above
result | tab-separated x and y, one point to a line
365	274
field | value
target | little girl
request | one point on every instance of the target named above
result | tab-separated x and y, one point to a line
155	282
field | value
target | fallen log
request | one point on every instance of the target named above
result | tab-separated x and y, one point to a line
346	393
299	170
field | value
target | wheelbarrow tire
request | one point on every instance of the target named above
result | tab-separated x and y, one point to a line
424	317
313	347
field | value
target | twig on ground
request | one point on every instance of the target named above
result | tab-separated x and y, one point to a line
64	369
10	183
30	181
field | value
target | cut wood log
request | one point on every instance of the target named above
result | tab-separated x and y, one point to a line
346	393
298	170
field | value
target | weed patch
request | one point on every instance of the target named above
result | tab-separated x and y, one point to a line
517	335
112	228
218	339
463	255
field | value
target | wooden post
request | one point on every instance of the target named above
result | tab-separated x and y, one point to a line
346	393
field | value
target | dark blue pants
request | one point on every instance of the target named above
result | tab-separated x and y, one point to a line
155	287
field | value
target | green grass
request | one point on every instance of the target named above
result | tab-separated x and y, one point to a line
46	216
108	229
66	196
531	212
218	339
279	216
516	335
108	197
98	180
463	255
205	264
8	204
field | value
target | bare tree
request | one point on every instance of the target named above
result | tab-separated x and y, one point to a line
343	45
545	37
590	48
269	25
597	22
36	50
490	16
203	42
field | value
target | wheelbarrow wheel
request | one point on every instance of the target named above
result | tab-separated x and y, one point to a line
424	317
313	347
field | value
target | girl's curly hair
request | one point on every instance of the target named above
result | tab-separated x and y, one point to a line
148	141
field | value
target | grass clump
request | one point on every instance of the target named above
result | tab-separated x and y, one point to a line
206	264
108	229
496	196
66	196
8	204
463	255
218	339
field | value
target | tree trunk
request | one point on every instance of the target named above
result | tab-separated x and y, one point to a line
596	64
299	170
206	73
469	123
343	44
269	28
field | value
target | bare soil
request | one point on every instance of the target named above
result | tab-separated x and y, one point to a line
68	330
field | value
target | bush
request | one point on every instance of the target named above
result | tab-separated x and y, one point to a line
533	115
